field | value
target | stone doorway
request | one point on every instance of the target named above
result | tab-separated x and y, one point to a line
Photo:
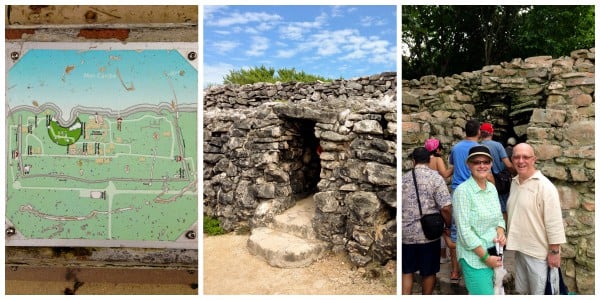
301	158
508	113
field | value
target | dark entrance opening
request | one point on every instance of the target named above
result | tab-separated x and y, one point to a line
506	112
301	158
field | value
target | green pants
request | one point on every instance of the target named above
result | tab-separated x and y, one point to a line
478	281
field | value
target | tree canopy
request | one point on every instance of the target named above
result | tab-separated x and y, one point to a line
444	40
264	74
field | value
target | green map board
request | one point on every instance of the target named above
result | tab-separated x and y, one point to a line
101	145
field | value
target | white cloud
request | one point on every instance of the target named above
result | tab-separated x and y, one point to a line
213	74
369	21
225	46
297	30
210	10
223	32
243	18
291	32
264	26
376	46
258	47
328	47
286	53
356	54
336	11
387	58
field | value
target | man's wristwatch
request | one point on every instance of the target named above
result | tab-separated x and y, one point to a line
552	251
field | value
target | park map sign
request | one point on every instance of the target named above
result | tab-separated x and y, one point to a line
101	145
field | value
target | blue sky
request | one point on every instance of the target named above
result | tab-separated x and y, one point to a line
330	41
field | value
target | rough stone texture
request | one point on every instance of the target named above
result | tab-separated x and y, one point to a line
260	141
547	102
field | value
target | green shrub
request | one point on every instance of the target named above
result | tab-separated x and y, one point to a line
212	226
264	74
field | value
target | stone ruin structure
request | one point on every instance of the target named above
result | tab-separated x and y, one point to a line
547	102
268	145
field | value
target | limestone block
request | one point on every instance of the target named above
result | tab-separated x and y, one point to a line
365	205
265	190
335	137
244	195
385	240
379	174
581	133
569	197
546	151
361	236
554	100
378	156
549	116
327	202
368	126
388	196
392	128
579	174
582	100
356	257
555	172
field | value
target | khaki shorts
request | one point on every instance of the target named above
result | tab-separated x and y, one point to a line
531	274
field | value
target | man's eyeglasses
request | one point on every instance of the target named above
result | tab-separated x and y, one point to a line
522	157
481	162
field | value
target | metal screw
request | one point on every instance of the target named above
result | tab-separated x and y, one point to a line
192	55
14	55
190	235
10	231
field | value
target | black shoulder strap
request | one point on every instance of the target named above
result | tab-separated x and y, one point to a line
417	190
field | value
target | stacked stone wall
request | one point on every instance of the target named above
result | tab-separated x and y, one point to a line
544	101
259	157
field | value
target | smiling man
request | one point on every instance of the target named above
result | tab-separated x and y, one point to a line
535	225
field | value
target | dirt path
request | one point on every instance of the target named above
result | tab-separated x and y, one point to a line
230	269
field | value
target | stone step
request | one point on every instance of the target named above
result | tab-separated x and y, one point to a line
283	250
297	220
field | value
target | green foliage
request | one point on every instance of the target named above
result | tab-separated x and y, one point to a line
558	29
212	226
264	74
445	40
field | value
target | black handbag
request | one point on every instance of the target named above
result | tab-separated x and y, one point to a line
432	224
562	287
503	181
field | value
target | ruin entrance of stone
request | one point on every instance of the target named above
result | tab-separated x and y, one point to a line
301	158
508	113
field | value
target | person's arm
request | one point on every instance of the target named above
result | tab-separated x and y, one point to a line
500	236
447	215
509	165
553	258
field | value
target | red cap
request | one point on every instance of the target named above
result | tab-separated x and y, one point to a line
487	127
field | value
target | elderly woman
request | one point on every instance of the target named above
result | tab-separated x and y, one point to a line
479	222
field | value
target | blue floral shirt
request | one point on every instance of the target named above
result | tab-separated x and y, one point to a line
434	195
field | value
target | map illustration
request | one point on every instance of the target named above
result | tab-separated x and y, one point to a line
101	143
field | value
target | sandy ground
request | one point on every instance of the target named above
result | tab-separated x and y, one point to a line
229	269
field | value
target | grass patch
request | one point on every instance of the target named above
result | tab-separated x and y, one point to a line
212	226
